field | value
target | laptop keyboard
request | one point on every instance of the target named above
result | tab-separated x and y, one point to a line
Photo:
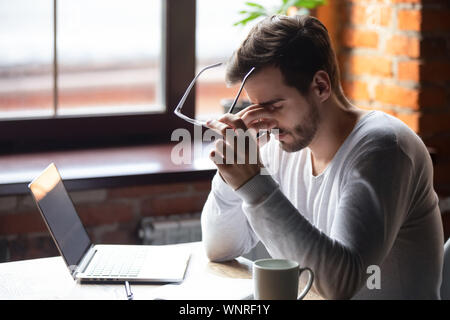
118	263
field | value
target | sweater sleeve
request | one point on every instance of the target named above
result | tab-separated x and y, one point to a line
373	197
226	233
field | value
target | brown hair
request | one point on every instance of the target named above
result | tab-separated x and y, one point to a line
298	45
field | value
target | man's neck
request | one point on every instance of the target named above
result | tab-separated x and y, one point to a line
337	122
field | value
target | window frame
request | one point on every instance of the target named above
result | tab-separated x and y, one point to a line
178	69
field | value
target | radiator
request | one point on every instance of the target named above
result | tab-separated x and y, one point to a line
181	229
170	230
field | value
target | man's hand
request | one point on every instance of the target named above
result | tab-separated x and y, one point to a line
236	155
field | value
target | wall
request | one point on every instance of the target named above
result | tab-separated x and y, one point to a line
395	57
110	216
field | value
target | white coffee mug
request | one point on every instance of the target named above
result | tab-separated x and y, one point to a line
277	279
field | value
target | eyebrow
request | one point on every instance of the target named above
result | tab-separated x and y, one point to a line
270	102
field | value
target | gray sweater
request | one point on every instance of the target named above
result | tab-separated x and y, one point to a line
374	205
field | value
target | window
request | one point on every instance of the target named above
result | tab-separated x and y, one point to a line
217	38
93	71
26	80
109	57
104	63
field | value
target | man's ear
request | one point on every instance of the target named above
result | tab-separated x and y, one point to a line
321	85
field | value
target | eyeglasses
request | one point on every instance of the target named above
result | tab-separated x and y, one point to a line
188	90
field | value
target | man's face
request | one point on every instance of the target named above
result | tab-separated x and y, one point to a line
297	115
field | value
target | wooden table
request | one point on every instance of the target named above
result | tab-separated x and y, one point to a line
48	278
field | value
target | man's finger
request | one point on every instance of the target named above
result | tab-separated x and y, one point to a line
257	114
218	126
228	151
233	121
216	157
250	107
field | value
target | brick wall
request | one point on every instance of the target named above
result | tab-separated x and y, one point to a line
110	216
395	57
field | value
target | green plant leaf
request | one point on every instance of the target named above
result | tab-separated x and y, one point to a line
251	16
256	10
309	4
256	5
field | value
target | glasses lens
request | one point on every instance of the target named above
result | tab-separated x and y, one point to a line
213	97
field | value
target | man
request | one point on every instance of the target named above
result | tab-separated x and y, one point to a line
348	189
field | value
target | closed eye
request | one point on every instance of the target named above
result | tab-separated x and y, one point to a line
274	107
271	102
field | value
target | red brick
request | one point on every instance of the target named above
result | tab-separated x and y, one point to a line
386	110
406	1
397	96
409	70
119	236
162	206
379	108
434	71
412	120
21	223
202	185
21	248
148	190
409	20
8	204
356	90
332	15
360	14
402	45
371	65
104	214
360	38
427	19
367	1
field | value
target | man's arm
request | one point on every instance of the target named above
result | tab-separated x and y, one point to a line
365	225
226	233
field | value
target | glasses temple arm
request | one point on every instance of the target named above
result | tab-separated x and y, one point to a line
188	90
240	89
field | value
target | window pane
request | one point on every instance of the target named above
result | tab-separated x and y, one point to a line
217	38
26	53
213	97
109	55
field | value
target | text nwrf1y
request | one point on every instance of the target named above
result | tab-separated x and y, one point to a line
226	309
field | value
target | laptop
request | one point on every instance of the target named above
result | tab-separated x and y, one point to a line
88	262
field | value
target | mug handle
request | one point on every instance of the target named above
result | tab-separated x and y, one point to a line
309	284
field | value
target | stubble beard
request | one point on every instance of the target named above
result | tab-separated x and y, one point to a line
304	133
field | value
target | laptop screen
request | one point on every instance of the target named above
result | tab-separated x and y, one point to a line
60	215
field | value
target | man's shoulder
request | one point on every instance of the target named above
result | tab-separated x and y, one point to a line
381	130
384	137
